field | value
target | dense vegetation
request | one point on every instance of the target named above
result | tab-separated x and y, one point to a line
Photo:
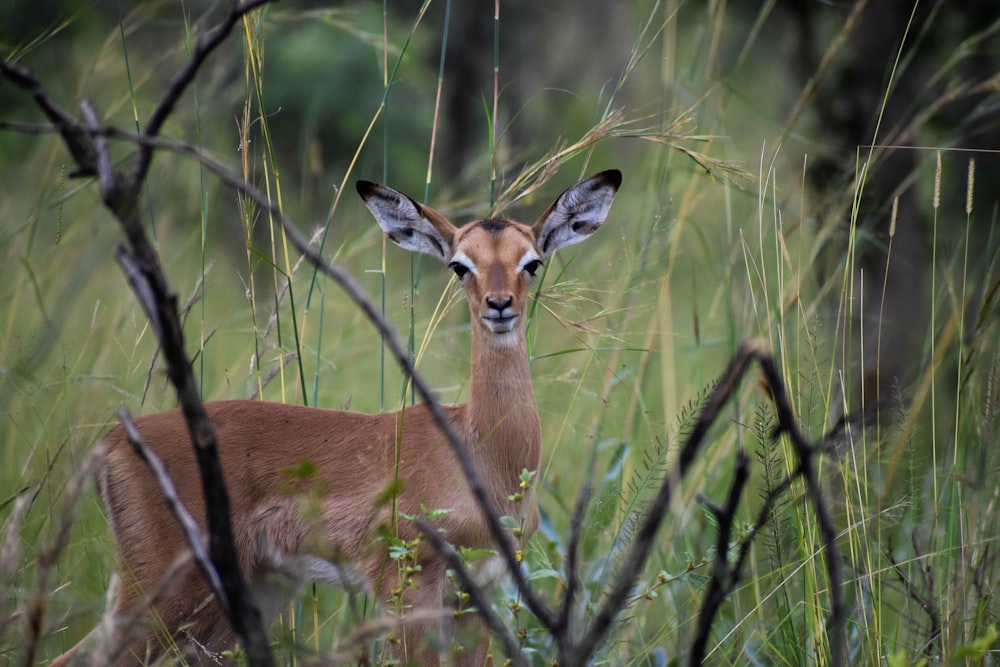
775	189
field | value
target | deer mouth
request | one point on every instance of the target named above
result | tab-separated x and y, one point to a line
499	323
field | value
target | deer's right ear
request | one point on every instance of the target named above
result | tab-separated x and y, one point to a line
577	213
406	222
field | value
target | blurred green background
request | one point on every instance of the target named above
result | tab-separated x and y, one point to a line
754	206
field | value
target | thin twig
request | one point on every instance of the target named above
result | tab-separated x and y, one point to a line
477	596
206	45
176	506
121	197
828	533
49	554
724	577
932	647
572	561
618	594
10	556
73	134
106	642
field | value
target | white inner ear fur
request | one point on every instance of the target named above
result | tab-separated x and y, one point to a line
404	223
401	208
392	209
576	214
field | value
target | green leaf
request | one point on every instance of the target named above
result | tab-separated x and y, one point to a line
976	650
304	469
434	514
398	551
387	494
901	659
475	554
544	573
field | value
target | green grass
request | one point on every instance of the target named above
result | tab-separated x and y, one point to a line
628	331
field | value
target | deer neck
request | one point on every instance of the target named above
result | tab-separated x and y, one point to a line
502	414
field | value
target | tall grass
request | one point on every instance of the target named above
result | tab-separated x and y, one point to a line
626	335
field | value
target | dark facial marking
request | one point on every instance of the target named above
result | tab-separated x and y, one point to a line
494	226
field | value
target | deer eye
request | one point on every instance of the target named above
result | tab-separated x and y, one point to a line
460	269
532	267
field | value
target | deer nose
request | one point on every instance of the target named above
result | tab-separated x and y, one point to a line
499	304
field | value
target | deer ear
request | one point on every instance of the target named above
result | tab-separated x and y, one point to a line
406	222
577	213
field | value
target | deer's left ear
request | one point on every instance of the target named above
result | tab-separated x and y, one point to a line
577	213
408	223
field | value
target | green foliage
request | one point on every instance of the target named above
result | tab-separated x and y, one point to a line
627	334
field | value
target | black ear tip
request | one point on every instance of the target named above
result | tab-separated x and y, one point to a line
611	177
365	188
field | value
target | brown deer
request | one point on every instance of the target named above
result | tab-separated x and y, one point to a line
292	529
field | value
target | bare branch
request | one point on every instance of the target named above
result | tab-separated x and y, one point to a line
150	287
476	594
206	45
49	554
10	555
572	563
107	180
121	197
828	533
106	642
187	523
73	134
724	577
617	596
140	287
